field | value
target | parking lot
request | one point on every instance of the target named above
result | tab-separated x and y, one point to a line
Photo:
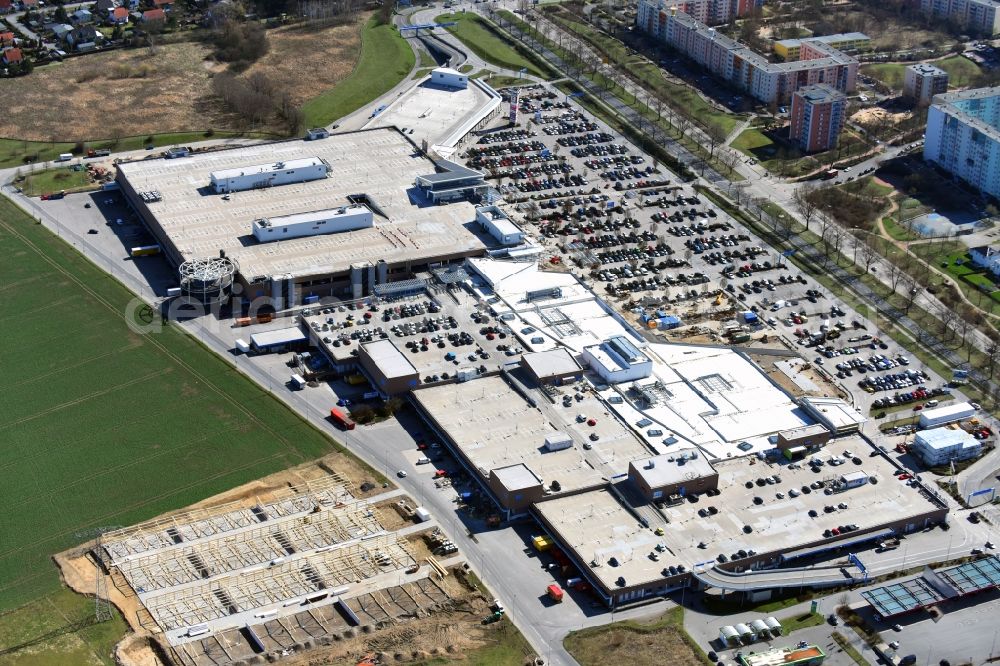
656	249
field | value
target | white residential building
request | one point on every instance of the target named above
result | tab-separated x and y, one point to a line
963	137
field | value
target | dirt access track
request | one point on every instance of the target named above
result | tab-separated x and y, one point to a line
451	632
142	91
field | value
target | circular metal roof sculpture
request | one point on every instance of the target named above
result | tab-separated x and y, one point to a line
207	279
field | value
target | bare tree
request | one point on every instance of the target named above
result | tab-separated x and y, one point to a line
992	354
911	288
896	272
805	207
868	252
716	135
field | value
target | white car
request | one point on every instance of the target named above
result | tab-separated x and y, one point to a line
423	460
401	474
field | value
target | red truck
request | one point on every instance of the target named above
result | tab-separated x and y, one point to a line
555	593
341	419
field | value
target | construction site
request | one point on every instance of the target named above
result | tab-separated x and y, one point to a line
301	565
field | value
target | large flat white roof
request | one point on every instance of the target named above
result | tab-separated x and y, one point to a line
438	114
389	359
600	529
664	470
494	427
380	163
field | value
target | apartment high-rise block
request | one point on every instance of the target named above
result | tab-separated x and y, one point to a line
981	17
752	73
963	137
817	117
922	81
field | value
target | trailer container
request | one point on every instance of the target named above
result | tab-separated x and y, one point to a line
279	340
422	515
341	419
145	250
932	418
297	382
243	346
173	291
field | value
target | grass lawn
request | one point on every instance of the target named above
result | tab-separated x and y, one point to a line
952	258
103	427
803	621
386	59
889	73
849	649
898	231
54	180
961	71
478	34
15	153
58	628
786	160
662	641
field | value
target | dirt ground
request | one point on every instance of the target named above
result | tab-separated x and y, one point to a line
766	363
134	92
393	515
451	633
875	115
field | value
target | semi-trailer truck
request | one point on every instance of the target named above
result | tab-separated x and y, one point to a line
341	419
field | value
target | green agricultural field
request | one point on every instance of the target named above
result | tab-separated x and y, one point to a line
58	629
477	33
386	59
101	426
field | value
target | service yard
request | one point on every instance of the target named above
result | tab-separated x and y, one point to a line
138	92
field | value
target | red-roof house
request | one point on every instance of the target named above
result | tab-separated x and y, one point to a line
6	6
163	4
119	15
153	15
29	4
7	38
12	56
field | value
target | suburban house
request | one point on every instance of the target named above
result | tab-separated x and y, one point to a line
7	38
105	7
12	56
83	38
60	30
29	4
153	15
118	16
165	5
81	16
6	6
988	257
